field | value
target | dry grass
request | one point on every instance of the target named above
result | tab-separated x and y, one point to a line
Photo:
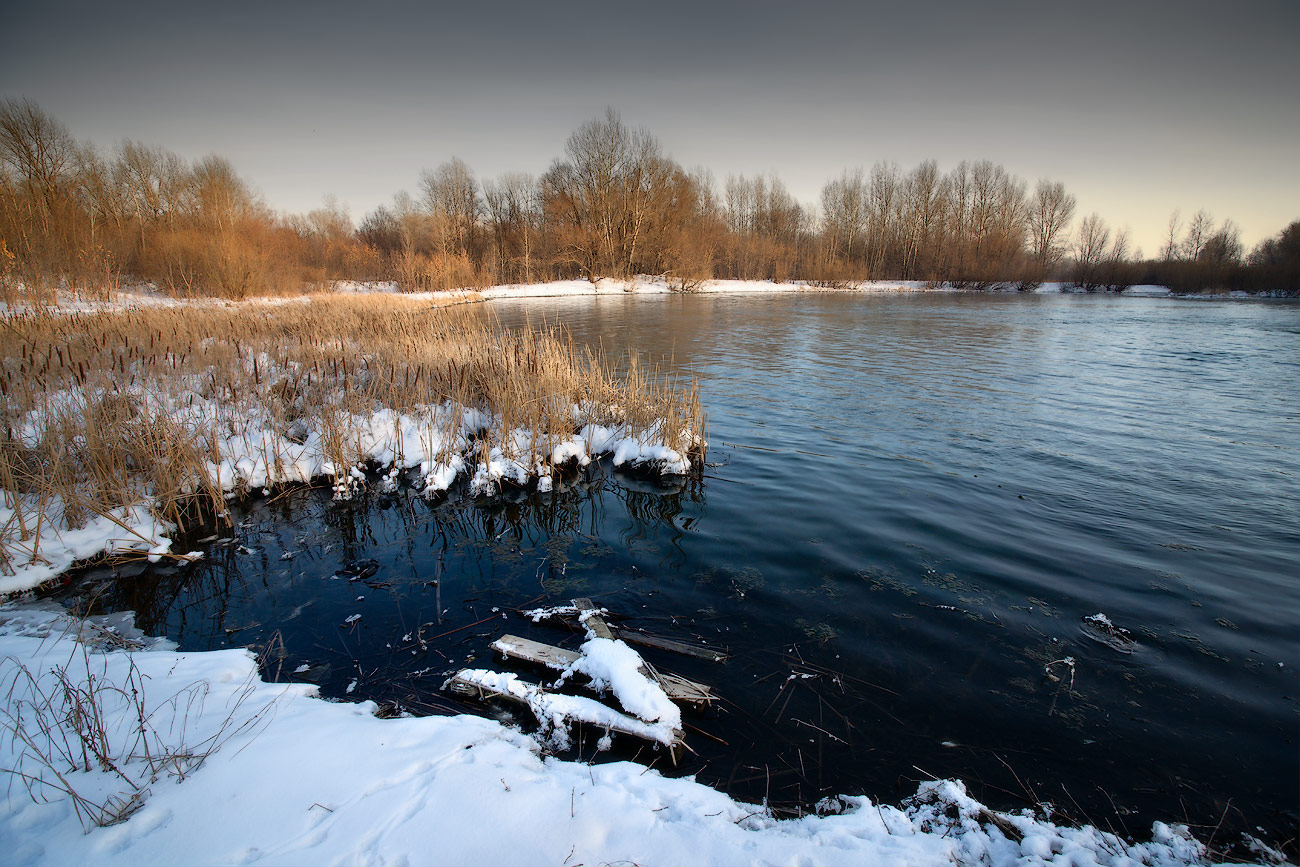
63	723
106	409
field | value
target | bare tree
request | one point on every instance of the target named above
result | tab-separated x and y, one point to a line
924	209
883	195
152	185
450	195
767	225
220	196
1223	247
603	199
39	154
844	213
1171	250
1090	250
1050	214
1199	231
514	212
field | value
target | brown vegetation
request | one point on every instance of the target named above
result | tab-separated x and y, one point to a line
104	410
614	205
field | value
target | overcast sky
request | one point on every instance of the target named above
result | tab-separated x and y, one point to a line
1140	107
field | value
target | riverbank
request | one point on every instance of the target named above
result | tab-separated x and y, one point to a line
128	424
145	296
241	771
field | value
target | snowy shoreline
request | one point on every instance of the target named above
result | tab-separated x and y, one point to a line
436	445
267	780
641	285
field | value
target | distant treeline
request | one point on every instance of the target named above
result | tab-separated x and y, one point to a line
613	205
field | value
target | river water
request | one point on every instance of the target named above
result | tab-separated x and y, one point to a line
911	506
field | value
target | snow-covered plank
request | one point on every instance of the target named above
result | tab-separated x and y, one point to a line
597	627
558	659
594	621
556	709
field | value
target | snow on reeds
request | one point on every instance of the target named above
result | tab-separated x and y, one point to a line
132	421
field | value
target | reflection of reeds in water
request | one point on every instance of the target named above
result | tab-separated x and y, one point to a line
106	409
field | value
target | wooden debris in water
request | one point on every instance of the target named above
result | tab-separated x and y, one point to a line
589	614
600	629
471	683
550	707
557	659
646	639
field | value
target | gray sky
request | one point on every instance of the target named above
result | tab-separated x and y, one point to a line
1140	107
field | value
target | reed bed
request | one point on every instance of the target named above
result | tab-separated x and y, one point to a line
182	408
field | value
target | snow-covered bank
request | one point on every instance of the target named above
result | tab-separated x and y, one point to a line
51	547
642	285
273	775
645	285
121	421
439	441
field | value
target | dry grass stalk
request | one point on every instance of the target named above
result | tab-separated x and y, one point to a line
107	409
67	723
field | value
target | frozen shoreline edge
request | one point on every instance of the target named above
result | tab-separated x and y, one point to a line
425	790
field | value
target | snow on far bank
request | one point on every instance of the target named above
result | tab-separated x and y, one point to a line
147	296
273	775
645	285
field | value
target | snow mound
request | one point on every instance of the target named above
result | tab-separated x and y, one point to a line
611	665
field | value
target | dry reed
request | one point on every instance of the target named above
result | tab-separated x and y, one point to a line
109	409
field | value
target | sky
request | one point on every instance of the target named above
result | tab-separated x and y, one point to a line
1140	108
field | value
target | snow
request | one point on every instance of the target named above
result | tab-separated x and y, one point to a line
556	711
649	285
50	547
611	664
269	774
138	297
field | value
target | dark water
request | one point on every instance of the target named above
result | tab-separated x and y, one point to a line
910	506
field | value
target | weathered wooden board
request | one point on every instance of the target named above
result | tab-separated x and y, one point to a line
645	639
557	658
679	688
595	622
527	650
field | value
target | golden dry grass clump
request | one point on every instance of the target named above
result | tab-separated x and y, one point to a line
106	409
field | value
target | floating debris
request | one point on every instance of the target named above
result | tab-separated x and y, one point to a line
605	663
1068	663
359	571
1100	629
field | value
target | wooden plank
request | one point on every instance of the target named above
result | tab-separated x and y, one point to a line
674	688
527	650
473	689
603	630
595	622
681	689
523	649
645	639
